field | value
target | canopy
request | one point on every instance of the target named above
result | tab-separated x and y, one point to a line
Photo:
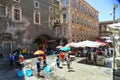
114	26
102	43
88	43
48	41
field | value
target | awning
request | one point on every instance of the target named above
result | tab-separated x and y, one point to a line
49	41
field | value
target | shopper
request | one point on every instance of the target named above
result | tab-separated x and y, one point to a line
38	65
11	58
68	63
58	61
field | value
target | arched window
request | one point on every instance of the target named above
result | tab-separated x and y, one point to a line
36	16
16	13
3	10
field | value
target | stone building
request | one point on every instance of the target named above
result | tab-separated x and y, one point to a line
103	32
79	21
24	23
103	29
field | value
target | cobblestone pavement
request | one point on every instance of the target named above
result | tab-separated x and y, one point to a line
78	71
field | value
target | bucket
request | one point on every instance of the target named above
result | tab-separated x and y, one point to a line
28	72
20	73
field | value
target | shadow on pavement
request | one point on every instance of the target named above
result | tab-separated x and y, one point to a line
71	70
83	61
8	73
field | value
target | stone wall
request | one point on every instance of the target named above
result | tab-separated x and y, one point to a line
24	33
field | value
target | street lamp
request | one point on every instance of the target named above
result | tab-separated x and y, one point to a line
114	9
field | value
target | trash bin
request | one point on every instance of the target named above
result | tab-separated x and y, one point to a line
20	73
28	72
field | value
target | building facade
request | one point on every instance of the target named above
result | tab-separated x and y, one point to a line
79	21
103	29
27	22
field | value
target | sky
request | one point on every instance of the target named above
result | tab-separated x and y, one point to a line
105	7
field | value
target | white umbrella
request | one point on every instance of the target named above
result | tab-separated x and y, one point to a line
88	43
72	44
109	41
114	26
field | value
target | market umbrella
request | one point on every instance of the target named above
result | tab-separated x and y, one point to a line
39	52
87	43
109	41
65	48
102	43
72	44
114	26
58	47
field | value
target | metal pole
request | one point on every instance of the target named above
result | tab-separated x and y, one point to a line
114	58
114	14
114	44
114	8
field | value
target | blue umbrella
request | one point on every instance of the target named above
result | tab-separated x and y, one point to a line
65	48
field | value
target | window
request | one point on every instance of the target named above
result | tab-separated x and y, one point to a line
64	31
16	13
57	31
64	2
73	17
51	9
77	19
72	3
64	17
36	17
77	5
3	10
56	11
73	31
36	4
17	1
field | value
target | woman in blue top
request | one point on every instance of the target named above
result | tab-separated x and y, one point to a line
11	58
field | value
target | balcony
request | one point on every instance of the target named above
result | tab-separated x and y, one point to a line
57	24
63	8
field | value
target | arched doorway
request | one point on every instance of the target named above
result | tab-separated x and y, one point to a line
7	43
44	41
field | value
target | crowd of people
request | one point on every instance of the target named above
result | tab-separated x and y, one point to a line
92	53
62	57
